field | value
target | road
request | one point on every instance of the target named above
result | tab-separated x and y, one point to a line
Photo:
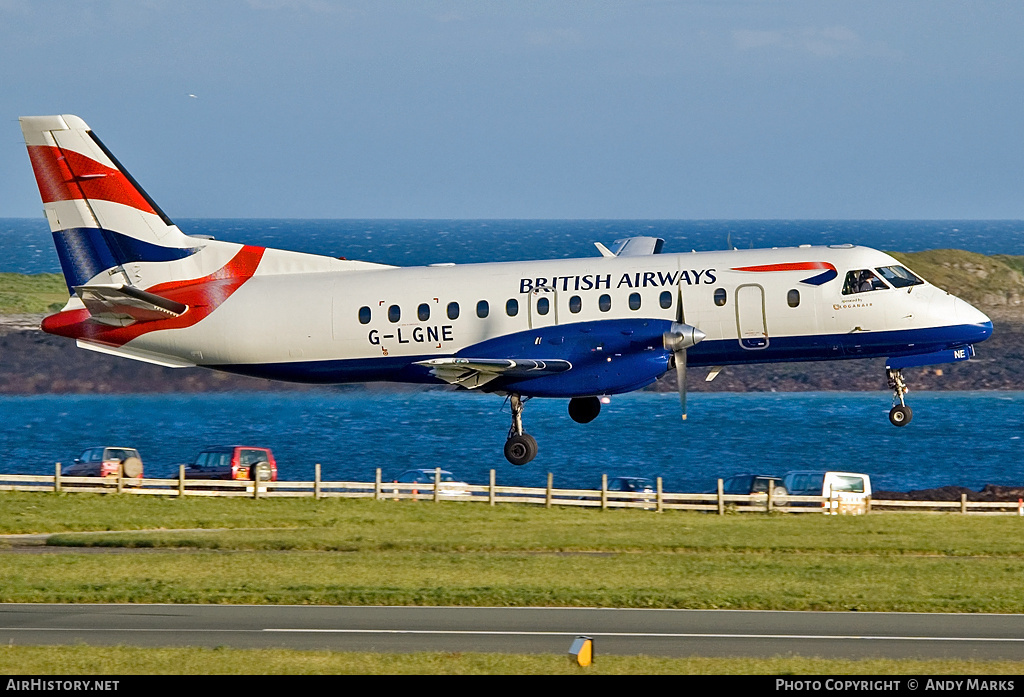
521	630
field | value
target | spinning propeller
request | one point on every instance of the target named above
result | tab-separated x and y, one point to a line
677	339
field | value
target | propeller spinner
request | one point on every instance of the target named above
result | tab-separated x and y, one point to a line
679	338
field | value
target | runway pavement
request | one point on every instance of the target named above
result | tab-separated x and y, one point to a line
521	630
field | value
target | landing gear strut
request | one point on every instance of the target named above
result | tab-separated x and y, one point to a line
520	447
900	414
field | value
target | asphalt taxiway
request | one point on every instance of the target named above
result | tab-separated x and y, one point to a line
674	633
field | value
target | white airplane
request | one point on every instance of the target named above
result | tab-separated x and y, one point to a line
568	328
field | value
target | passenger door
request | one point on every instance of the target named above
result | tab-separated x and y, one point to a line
751	323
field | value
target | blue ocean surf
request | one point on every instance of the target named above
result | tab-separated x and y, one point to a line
962	438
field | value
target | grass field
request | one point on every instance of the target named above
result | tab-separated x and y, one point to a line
32	294
122	660
342	551
346	551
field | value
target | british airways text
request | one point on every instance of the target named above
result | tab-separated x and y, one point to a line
639	279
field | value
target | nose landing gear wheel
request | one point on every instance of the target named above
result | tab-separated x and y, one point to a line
901	415
520	449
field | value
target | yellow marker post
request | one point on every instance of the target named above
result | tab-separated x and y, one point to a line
582	650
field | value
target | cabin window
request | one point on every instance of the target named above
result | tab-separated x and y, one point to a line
482	309
665	299
575	304
453	310
720	297
604	303
543	306
793	297
862	281
364	315
394	313
634	301
512	307
423	312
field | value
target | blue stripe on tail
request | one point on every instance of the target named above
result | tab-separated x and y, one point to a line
85	252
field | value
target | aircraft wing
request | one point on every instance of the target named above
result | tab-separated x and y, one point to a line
120	305
474	372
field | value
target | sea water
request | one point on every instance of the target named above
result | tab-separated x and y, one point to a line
960	438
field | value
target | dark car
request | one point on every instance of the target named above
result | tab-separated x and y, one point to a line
640	485
233	462
745	484
105	461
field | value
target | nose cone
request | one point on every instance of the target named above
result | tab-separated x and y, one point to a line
977	321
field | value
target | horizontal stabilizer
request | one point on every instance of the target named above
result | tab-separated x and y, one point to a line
474	372
137	355
120	305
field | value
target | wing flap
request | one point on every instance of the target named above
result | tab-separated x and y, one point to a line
120	305
476	372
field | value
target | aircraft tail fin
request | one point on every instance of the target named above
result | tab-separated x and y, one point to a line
101	219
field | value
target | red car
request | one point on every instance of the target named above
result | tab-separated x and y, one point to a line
233	462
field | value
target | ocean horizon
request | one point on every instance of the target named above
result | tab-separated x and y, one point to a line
409	242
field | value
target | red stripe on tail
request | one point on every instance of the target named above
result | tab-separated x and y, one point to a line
67	175
202	295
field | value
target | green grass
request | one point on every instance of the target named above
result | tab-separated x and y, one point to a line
32	294
122	660
974	277
344	551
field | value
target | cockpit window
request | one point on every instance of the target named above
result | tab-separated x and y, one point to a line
899	276
862	281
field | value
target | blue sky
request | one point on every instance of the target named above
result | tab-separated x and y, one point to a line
514	109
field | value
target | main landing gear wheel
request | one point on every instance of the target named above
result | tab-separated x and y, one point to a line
520	447
583	410
900	414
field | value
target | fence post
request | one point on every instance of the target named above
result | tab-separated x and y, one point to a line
660	507
120	477
721	500
316	482
490	491
771	496
181	480
437	484
56	480
256	484
378	486
604	492
547	494
963	503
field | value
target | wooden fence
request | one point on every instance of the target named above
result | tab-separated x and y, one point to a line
657	500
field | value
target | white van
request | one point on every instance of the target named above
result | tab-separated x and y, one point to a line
848	492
